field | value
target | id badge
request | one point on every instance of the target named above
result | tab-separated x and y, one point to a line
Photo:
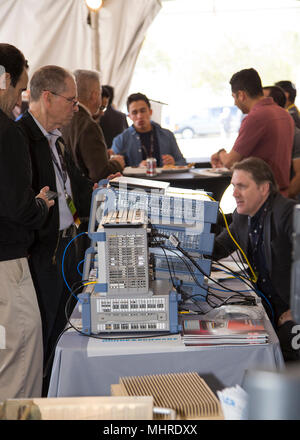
73	210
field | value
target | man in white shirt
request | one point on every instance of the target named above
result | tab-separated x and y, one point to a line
53	102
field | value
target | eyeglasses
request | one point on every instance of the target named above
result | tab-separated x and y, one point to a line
103	108
72	101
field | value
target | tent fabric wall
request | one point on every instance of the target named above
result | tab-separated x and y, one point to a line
56	32
131	19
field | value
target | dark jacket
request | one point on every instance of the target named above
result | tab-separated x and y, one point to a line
20	212
294	112
85	141
277	236
44	174
113	122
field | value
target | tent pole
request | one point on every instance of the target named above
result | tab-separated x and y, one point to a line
95	40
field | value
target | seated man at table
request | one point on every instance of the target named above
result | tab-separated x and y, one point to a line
146	138
262	226
266	132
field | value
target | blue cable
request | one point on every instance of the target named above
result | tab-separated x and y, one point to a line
80	262
63	260
268	302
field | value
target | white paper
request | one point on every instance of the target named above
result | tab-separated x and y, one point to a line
234	401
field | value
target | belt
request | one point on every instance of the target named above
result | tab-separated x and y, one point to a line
68	232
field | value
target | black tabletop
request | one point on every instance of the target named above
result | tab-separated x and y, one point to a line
216	185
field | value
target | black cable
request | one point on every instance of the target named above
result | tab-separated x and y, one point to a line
201	270
236	274
173	283
210	295
189	268
207	298
244	269
236	294
254	285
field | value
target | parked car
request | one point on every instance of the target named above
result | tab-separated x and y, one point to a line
212	120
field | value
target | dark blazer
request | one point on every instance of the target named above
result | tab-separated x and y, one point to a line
277	230
44	174
113	122
85	141
20	212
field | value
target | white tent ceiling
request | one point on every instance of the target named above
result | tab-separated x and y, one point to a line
57	32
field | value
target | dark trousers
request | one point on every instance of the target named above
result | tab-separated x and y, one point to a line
53	292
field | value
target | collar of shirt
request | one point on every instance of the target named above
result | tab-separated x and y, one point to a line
46	133
254	221
52	136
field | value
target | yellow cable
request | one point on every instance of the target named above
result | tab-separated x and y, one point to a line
254	279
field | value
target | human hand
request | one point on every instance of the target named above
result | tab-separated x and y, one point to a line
104	182
168	159
143	163
43	195
119	158
112	176
215	161
284	317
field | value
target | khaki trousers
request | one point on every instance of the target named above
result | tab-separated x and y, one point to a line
21	349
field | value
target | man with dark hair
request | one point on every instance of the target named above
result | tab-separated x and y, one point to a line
84	137
105	100
21	213
53	101
290	93
146	138
262	225
112	122
277	93
266	132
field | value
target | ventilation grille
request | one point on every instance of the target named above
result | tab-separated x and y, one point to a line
186	393
127	263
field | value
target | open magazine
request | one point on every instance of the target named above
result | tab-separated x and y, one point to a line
224	332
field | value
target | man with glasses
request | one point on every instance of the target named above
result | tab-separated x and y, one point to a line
83	135
53	102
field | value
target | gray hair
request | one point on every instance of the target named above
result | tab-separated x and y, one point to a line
51	78
85	80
